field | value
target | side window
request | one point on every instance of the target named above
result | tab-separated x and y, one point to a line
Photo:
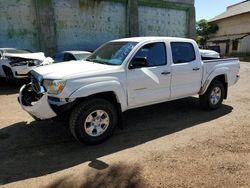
182	52
154	53
59	57
69	57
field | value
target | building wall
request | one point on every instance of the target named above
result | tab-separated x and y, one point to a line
82	26
231	28
233	25
245	45
52	25
162	22
18	26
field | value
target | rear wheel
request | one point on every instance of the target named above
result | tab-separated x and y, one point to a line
93	121
213	97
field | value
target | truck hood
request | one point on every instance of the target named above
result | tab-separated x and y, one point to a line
70	69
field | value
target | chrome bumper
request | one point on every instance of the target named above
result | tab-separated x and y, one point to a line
40	109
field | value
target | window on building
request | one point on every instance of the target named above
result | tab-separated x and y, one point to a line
182	52
235	45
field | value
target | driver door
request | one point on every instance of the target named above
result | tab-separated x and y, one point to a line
150	83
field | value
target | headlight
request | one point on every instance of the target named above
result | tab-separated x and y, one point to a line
34	63
54	87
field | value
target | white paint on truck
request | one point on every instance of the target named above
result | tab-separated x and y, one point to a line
141	71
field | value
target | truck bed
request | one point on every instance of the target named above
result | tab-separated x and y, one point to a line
230	64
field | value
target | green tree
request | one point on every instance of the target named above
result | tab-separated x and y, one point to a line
203	30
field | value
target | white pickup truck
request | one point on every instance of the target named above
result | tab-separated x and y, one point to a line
121	75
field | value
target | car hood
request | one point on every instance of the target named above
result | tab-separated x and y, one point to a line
209	53
35	56
71	69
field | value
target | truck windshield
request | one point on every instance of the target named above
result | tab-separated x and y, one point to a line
113	53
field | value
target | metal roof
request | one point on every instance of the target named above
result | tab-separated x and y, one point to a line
234	10
228	37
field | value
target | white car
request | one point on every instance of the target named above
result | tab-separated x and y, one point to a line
209	54
71	55
16	63
125	74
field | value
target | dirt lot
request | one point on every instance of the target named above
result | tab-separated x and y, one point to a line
173	144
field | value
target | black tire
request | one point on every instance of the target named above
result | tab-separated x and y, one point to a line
206	99
9	76
78	120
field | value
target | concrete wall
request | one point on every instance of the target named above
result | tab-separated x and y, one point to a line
53	25
82	26
162	22
18	26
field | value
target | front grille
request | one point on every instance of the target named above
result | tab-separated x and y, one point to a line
37	84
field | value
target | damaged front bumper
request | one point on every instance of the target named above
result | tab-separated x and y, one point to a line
41	106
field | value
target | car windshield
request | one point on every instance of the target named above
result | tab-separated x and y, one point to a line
113	53
81	56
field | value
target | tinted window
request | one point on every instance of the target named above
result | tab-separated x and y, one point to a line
182	52
69	57
155	53
59	57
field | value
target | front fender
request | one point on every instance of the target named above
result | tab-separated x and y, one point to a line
100	87
218	72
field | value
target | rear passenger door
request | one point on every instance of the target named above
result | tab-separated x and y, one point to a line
186	70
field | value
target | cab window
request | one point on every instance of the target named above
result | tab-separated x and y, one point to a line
154	53
182	52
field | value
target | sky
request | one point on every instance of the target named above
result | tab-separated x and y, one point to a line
207	9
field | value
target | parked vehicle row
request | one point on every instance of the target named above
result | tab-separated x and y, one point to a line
121	75
17	63
71	55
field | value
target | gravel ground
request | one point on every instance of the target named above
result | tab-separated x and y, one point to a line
174	144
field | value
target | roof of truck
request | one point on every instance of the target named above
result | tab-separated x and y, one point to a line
144	39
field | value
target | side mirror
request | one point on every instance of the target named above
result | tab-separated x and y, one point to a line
138	63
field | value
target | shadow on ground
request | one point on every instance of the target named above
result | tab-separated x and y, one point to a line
41	148
118	175
11	88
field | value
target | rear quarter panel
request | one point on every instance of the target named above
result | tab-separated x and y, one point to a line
212	68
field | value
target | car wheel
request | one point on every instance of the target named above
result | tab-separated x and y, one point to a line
93	121
9	77
213	97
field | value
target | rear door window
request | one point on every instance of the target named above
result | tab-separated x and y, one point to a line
182	52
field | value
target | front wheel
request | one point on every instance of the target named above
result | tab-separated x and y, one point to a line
93	121
213	97
9	76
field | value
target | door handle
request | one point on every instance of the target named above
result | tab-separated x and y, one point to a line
196	69
165	73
